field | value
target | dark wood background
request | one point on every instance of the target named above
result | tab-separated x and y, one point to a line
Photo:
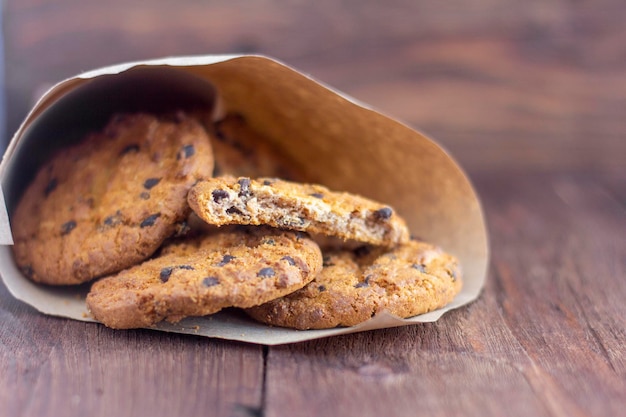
529	96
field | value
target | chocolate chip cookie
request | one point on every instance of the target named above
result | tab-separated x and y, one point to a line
240	151
411	279
240	268
305	207
109	201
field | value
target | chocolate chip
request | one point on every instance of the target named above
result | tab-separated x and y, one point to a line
165	273
269	241
365	283
113	219
226	259
27	270
210	281
289	260
383	213
187	151
234	210
321	288
266	273
244	187
50	187
150	220
317	195
67	227
268	182
144	195
326	261
219	195
186	267
419	267
130	148
151	182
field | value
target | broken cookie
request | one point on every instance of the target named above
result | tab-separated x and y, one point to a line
304	207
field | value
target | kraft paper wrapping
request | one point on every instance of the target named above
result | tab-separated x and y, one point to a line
332	139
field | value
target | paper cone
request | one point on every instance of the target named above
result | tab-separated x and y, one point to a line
331	138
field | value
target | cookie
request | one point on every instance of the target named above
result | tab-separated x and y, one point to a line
305	207
412	279
109	201
240	268
241	151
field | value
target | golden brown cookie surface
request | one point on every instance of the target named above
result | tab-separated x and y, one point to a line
240	268
412	279
305	207
109	201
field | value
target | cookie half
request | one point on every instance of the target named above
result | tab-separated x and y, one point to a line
110	201
241	268
353	286
304	207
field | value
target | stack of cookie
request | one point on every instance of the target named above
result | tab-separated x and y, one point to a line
172	217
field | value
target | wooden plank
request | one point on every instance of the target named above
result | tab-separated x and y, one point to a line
3	128
53	367
503	86
508	88
558	267
546	338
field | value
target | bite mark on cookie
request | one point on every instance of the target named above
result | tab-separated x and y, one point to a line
295	206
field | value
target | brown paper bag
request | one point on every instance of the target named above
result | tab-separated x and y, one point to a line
333	139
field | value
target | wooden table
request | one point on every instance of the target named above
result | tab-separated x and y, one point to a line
530	97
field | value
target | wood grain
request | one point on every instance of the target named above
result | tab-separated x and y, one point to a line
53	367
528	96
503	85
